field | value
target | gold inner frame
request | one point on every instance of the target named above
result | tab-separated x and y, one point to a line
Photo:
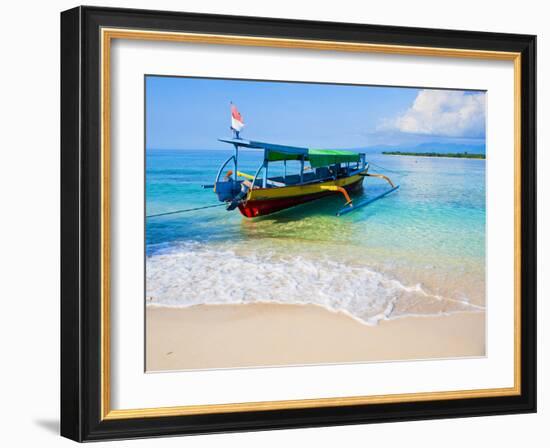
107	35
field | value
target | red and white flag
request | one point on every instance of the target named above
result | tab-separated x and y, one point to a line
237	122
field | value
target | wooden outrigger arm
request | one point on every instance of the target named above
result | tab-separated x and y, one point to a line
341	190
349	207
245	175
381	176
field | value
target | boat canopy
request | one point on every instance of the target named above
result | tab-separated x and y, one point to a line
316	157
325	157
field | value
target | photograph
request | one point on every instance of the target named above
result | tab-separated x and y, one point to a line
274	223
301	223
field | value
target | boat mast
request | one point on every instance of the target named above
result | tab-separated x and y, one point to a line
236	158
237	124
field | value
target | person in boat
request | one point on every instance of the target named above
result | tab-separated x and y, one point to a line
228	175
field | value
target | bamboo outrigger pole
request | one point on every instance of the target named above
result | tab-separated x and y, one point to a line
350	206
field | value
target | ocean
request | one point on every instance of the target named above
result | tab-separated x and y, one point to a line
418	251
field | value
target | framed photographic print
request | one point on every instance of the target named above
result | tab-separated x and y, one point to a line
273	223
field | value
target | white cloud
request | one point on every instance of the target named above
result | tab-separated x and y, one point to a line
443	112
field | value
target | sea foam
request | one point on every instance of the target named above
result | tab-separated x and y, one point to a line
196	274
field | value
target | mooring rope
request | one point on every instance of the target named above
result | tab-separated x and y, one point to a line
184	210
387	169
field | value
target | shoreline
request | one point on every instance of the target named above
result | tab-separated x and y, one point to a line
268	335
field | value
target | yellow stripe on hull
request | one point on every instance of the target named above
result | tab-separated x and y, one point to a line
259	194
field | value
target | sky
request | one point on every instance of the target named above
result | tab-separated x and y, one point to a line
192	113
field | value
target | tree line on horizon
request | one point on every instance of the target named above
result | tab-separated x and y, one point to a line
458	155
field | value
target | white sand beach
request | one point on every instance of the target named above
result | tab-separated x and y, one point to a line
254	335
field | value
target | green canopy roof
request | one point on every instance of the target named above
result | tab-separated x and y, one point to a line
316	157
325	157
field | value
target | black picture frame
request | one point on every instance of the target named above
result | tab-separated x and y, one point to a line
81	224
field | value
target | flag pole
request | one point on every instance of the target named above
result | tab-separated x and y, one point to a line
235	136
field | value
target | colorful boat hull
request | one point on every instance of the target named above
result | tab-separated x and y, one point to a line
264	201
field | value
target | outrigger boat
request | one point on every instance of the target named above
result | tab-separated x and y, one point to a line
323	172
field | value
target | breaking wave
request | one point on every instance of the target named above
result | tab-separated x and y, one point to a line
197	274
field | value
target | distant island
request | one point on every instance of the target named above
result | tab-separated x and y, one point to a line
456	155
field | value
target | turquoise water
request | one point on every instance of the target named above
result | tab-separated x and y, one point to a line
420	250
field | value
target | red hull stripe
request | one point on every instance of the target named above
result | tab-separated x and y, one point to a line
252	209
